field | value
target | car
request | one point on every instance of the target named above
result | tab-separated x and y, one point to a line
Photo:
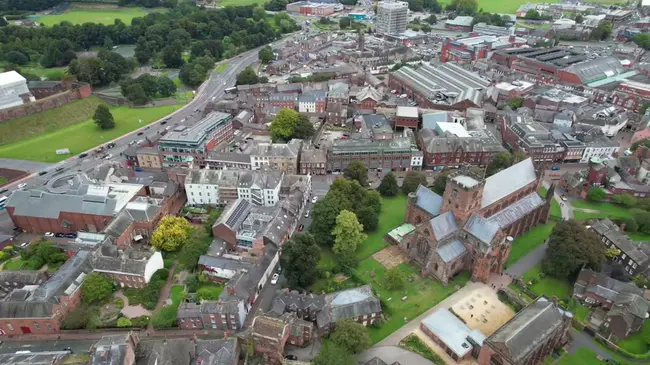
301	227
41	173
59	235
555	168
59	169
275	278
307	214
49	234
24	245
107	156
314	199
291	357
279	269
182	120
71	235
110	145
140	133
163	122
564	198
68	349
83	155
22	186
2	191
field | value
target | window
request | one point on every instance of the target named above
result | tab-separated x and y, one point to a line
11	328
37	326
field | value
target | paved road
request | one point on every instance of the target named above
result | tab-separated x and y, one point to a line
76	346
24	165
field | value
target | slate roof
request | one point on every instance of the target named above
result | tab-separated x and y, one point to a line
443	225
216	352
609	229
528	329
348	304
481	228
188	310
369	92
428	200
450	330
22	277
450	251
165	352
108	258
39	204
294	301
507	181
589	281
110	350
513	212
630	306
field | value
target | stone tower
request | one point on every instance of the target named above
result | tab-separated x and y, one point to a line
463	193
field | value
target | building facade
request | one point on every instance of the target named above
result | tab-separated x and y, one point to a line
392	17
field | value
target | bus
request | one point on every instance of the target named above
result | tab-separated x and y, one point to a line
3	200
231	90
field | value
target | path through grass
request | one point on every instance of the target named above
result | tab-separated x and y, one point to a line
527	242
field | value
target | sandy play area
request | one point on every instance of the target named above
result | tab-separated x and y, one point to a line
482	310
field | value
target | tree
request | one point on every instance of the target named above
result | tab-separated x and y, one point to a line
627	200
440	183
207	293
630	224
108	43
165	87
124	322
345	22
369	218
351	336
431	19
515	103
579	19
642	219
303	129
172	56
394	278
348	233
388	186
266	54
642	40
171	234
612	252
412	180
299	259
103	117
17	57
571	246
142	51
596	194
324	214
463	7
331	354
641	281
3	22
196	245
136	94
95	288
52	56
283	125
247	77
356	170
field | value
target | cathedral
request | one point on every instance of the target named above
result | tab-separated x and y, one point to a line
472	226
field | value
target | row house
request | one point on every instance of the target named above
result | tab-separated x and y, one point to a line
211	315
313	161
633	256
312	102
282	100
129	268
442	151
397	154
598	289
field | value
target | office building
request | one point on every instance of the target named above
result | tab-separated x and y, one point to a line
392	17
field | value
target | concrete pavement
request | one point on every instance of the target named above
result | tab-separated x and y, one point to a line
75	346
392	354
24	165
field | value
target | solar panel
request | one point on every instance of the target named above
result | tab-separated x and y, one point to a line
240	209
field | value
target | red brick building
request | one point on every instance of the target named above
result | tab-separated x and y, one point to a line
368	97
529	337
128	268
407	117
270	335
442	151
41	310
472	215
475	48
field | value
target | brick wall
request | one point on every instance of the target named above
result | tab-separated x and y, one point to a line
78	91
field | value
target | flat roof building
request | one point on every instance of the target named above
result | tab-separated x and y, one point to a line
392	17
12	86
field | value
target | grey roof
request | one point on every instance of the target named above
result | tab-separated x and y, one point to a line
512	213
602	285
433	143
609	229
143	209
507	181
34	358
350	303
22	277
481	228
34	203
188	310
294	301
450	251
443	225
630	304
235	214
109	258
528	329
450	330
197	133
462	21
39	303
165	352
216	352
224	264
110	350
428	200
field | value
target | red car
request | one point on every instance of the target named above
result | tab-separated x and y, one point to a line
301	227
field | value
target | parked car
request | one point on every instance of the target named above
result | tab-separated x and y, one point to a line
163	122
291	357
108	156
314	199
41	173
24	245
71	235
83	155
301	227
140	133
275	279
563	198
22	186
49	234
307	214
279	269
2	191
555	168
59	235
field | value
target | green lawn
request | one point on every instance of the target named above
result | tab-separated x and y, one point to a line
51	120
101	16
3	180
556	211
602	210
213	289
547	286
222	67
496	6
14	264
585	356
635	236
528	242
177	294
637	343
393	211
239	2
581	312
421	293
81	136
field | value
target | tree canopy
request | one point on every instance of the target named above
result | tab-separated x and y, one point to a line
103	117
171	234
299	259
502	161
266	54
440	182
348	233
388	186
289	124
412	180
248	77
463	7
351	336
331	354
596	194
356	170
96	287
571	246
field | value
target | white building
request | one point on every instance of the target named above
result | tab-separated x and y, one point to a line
216	187
12	87
392	17
603	148
260	188
417	159
202	187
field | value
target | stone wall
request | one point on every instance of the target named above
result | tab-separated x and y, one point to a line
76	92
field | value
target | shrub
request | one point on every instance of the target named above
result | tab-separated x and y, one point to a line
4	256
123	322
118	302
77	319
192	283
166	318
8	249
161	274
141	321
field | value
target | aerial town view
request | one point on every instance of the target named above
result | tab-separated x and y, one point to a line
326	182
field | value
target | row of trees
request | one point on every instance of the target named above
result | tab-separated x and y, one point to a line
12	6
104	69
139	91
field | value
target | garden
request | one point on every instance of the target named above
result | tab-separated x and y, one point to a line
556	211
393	211
40	255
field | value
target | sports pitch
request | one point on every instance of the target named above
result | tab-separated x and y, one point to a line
102	16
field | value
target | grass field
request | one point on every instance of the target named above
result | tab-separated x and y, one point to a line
556	211
14	264
585	356
528	242
637	343
496	6
392	215
548	286
238	2
81	136
101	16
32	125
598	210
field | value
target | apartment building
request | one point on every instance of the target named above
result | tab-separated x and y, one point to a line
281	157
392	17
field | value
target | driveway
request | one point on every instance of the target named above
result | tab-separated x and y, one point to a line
391	355
307	353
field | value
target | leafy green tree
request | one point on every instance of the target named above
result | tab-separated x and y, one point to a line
17	57
630	224
172	56
282	127
299	259
165	86
345	22
123	322
191	251
192	283
348	233
3	22
440	182
356	170
52	56
266	54
247	77
103	117
627	200
431	19
207	293
388	186
212	218
351	336
571	247
642	40
515	103
412	180
596	194
303	129
108	43
171	234
394	278
95	288
579	19
136	94
642	219
142	51
369	218
324	215
331	354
